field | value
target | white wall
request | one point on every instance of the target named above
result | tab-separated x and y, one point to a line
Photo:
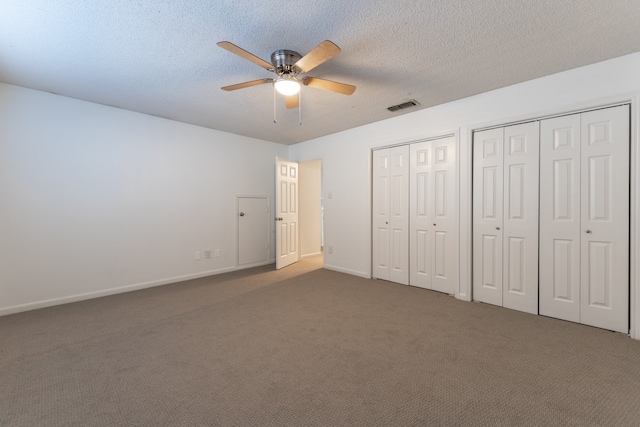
309	194
346	155
96	200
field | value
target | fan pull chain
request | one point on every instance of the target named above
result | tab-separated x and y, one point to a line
300	108
274	104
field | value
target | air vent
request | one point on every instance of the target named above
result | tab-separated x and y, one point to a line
408	104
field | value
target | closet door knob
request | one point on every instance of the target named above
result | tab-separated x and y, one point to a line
241	213
434	225
588	231
497	228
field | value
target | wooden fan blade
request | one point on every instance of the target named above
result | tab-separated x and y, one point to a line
342	88
247	84
292	101
246	55
321	53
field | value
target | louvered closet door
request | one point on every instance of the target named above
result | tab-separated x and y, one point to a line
584	218
505	217
433	249
391	214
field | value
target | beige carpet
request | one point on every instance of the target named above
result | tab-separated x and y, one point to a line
308	347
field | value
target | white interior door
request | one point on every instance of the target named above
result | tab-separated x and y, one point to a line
604	293
487	215
584	218
520	217
445	236
560	217
391	214
380	221
433	226
421	215
253	230
286	213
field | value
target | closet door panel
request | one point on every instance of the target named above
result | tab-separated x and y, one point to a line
399	215
560	218
520	217
381	218
488	215
445	215
605	218
421	230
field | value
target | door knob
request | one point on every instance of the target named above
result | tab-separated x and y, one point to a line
278	218
434	224
241	213
497	228
588	231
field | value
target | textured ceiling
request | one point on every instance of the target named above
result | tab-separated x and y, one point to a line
160	56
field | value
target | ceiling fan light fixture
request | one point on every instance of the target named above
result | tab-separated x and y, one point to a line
287	85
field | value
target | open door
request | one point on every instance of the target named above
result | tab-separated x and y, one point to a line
286	213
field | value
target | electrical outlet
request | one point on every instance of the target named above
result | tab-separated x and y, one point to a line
207	253
196	256
330	250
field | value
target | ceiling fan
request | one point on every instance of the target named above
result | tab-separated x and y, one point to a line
289	65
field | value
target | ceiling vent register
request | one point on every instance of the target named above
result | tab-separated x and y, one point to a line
408	104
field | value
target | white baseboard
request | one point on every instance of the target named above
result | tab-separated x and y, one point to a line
310	255
347	271
119	290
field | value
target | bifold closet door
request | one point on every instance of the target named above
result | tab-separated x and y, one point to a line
505	217
584	218
432	219
391	214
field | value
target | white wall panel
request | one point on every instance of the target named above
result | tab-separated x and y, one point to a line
104	200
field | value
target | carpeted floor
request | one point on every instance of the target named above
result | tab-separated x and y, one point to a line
306	346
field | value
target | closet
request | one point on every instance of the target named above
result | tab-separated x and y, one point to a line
415	214
391	214
551	198
584	218
505	216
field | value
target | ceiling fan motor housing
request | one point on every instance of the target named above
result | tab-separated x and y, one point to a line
284	60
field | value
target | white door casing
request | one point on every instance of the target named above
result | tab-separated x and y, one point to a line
391	214
286	218
487	215
253	230
432	220
584	227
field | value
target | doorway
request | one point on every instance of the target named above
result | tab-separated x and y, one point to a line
311	208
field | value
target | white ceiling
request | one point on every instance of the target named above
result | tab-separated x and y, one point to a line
160	56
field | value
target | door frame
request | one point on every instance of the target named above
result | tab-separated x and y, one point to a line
466	186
